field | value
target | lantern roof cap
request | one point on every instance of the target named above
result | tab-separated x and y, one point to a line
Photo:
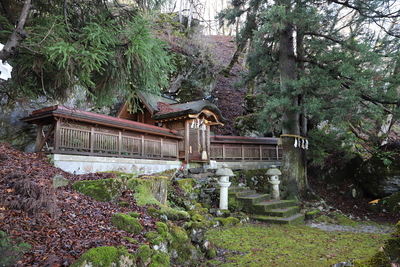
273	171
224	171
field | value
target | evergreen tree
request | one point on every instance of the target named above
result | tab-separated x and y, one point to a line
327	61
104	47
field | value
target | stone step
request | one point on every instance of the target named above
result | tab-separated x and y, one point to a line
295	219
283	212
265	206
252	199
242	192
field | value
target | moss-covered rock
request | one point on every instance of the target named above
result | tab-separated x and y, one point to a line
229	221
387	204
166	213
186	184
255	179
152	258
103	190
127	223
106	257
378	178
160	259
154	237
311	215
181	248
146	187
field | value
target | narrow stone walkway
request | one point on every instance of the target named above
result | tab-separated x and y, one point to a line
362	228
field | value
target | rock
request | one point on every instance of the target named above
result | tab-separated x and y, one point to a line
387	204
60	181
379	180
106	257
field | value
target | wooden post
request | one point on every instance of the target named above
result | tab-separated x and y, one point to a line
57	135
119	142
187	128
161	147
39	137
208	145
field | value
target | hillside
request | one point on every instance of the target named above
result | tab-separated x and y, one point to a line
60	224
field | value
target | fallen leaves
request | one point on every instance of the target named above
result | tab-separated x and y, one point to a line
80	223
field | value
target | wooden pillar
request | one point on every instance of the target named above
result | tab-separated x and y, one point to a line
186	137
208	142
39	137
57	133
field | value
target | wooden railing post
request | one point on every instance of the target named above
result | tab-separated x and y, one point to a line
57	135
161	147
142	147
91	139
119	145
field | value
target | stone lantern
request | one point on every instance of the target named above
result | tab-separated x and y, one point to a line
224	172
273	178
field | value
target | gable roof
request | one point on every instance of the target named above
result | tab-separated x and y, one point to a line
165	109
190	109
151	100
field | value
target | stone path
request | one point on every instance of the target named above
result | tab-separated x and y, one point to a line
362	228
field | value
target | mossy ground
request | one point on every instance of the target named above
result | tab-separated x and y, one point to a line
274	245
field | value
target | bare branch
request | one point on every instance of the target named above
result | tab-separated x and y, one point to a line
18	35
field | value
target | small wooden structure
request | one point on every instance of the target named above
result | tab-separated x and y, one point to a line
161	129
192	120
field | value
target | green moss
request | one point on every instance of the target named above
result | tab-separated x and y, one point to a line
386	254
325	219
281	245
127	223
211	254
101	190
179	235
166	213
229	221
234	204
160	259
133	241
154	237
144	253
105	257
162	228
225	213
181	244
378	260
200	225
186	184
311	215
343	220
134	214
197	218
142	190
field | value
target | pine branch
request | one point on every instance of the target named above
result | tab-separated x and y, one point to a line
365	10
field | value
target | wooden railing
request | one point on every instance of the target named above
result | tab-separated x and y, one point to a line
83	139
236	148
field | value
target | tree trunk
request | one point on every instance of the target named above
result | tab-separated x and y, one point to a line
294	181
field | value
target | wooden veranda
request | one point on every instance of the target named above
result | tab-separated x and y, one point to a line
63	130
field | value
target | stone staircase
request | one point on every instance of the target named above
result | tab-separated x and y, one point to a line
261	208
